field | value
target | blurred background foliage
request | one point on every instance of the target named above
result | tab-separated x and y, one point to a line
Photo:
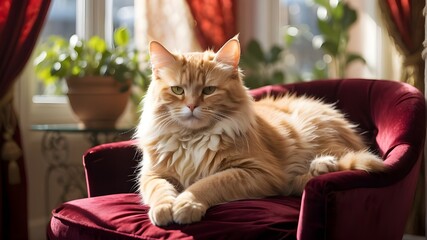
307	52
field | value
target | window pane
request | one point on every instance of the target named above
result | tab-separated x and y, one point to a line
61	21
303	59
124	16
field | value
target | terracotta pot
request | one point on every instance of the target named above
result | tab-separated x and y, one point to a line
97	101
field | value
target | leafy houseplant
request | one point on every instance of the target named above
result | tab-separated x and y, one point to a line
260	66
334	25
96	69
59	59
334	20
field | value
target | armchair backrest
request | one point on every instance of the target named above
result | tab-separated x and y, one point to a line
111	168
391	116
388	113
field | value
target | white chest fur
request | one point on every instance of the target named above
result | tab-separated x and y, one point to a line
192	156
189	155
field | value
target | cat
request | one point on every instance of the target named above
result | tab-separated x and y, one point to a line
205	141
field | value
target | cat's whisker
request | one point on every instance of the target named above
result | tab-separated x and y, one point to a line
164	122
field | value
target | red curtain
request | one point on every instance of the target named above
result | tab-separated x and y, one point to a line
405	24
20	25
215	21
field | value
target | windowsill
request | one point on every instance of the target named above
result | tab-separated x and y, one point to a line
50	99
51	109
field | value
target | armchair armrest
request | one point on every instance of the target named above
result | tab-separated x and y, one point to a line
377	204
110	168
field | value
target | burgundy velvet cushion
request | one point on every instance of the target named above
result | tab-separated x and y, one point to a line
121	216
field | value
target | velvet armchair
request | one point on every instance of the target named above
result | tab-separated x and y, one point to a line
340	205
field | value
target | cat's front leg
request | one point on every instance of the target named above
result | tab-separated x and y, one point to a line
231	184
188	209
160	195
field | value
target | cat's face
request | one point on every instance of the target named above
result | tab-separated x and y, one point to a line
196	90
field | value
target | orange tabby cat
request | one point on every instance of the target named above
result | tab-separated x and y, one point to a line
206	141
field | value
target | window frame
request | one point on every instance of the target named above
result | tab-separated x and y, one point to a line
93	17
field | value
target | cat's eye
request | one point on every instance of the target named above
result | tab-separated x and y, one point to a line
208	90
177	90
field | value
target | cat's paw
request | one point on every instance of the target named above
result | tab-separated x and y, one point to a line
322	165
187	210
161	215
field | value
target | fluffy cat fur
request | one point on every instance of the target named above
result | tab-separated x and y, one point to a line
205	141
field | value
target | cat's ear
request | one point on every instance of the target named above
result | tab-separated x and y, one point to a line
229	53
160	56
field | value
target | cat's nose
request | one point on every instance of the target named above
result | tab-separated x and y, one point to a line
191	107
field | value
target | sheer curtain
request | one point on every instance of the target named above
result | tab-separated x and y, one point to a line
185	25
20	24
169	22
405	24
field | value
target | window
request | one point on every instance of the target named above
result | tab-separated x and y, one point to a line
123	15
297	18
92	18
303	59
65	18
60	21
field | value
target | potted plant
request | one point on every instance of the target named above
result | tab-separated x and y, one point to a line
261	67
99	77
334	26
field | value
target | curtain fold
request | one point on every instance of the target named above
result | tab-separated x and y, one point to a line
169	22
405	24
20	25
215	21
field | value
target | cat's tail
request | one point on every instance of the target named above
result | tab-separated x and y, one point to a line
361	160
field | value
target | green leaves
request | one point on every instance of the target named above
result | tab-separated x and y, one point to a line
323	3
254	51
259	65
273	55
334	29
334	20
349	16
97	44
121	37
58	58
353	57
